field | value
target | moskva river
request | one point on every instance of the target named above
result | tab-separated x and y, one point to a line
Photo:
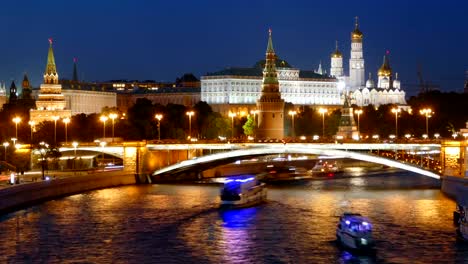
412	223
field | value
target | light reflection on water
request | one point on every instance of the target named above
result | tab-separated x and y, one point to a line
182	223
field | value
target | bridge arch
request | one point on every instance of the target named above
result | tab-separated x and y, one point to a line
242	153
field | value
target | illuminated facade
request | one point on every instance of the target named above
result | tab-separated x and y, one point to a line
388	89
50	102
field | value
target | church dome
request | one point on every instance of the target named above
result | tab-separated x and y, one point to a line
356	34
385	69
370	83
337	54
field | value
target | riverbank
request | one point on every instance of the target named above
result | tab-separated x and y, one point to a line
21	195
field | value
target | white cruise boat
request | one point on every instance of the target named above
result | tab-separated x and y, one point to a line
355	232
242	192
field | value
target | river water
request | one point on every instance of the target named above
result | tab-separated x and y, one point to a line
412	223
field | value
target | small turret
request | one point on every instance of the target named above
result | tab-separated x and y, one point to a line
370	83
13	93
396	82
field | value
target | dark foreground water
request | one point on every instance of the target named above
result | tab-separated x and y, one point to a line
181	224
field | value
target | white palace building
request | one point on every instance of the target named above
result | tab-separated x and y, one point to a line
241	87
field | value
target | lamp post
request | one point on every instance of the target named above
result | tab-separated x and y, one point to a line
323	111
16	120
358	112
159	117
292	114
103	145
5	145
113	116
427	112
66	121
103	120
232	115
55	118
33	127
396	111
190	114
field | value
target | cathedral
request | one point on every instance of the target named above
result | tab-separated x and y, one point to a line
387	90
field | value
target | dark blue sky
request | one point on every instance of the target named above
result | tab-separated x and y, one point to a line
161	40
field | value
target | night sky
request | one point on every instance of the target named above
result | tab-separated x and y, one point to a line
161	40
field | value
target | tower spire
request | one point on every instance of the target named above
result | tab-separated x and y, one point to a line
270	43
357	22
51	75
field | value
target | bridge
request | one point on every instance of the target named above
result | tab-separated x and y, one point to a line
148	157
351	151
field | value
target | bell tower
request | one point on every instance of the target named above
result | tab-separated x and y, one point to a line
356	62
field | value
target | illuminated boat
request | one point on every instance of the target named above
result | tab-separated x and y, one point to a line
355	232
324	167
242	192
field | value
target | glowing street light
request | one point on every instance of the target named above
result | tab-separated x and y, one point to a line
190	114
232	115
5	145
66	121
323	111
55	118
292	114
396	111
159	117
358	112
113	116
103	119
427	112
33	127
16	120
254	113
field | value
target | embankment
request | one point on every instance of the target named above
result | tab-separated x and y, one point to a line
18	196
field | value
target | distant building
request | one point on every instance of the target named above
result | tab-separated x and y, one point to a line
50	102
3	96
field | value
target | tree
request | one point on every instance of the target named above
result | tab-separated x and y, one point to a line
249	126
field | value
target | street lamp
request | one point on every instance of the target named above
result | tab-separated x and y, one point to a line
358	112
232	115
113	116
190	114
396	111
103	120
55	118
6	144
33	127
159	117
16	120
323	111
292	113
66	121
427	112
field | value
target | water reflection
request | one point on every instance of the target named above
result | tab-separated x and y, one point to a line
236	240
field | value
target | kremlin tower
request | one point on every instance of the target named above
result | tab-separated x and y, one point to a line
356	62
51	102
336	69
270	106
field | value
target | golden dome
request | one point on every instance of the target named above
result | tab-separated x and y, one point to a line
337	53
385	69
356	34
